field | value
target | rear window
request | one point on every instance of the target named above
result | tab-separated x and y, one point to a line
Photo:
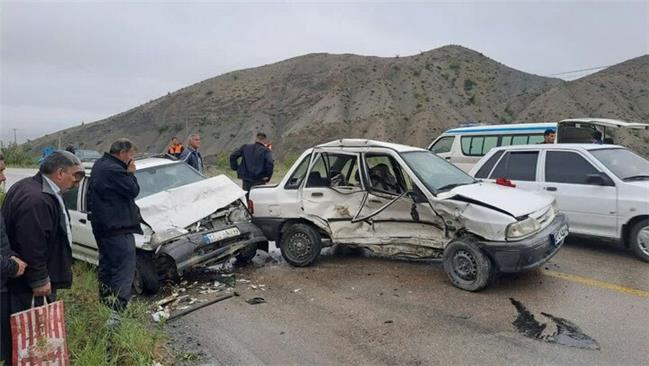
517	165
484	171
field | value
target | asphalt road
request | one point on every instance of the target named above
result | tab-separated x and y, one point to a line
353	309
15	174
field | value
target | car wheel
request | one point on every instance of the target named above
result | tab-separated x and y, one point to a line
640	239
146	276
246	254
300	245
466	265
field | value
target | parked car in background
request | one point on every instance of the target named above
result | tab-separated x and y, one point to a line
466	145
403	201
603	189
188	220
87	155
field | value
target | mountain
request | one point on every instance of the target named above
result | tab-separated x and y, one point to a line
319	97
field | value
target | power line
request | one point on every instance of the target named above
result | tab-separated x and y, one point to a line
582	70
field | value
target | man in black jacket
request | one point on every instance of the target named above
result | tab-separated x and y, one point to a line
39	232
12	267
115	218
256	166
191	155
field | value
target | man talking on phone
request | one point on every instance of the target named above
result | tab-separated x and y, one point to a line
115	218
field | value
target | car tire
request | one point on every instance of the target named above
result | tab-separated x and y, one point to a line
146	276
640	239
300	245
466	265
246	254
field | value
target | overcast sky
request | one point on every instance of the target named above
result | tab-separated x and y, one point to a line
65	62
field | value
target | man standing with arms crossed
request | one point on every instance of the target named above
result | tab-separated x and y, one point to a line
115	218
191	155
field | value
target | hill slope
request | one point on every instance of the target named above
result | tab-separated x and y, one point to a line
319	97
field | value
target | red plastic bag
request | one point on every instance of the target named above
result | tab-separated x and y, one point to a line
38	336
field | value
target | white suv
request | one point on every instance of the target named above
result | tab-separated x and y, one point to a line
603	189
403	201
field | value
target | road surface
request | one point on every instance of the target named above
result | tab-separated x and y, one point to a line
353	309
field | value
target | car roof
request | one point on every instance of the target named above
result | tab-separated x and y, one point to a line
608	122
364	143
139	163
542	126
559	146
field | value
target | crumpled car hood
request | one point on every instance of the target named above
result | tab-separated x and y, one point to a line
514	201
170	212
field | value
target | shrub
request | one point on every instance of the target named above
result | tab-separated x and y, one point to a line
469	84
18	155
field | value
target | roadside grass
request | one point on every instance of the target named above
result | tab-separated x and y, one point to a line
136	341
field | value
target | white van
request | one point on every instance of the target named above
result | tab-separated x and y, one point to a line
464	146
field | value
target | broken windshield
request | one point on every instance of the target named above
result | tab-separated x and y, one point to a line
436	174
160	178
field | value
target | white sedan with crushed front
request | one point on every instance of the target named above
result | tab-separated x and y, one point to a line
403	201
188	219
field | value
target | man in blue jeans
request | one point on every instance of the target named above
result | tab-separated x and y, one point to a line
115	218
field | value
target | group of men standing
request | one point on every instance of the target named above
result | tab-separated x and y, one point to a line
36	234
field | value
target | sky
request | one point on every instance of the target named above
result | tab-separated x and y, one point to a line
63	63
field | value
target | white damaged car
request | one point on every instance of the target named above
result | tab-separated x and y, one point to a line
403	201
188	220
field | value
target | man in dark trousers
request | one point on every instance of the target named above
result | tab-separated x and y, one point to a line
253	162
191	155
12	267
39	232
115	218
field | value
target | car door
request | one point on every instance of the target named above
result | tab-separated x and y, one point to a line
403	222
591	208
334	192
518	166
84	246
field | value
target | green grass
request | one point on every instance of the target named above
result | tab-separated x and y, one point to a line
136	341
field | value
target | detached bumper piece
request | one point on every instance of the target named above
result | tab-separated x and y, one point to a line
212	246
529	253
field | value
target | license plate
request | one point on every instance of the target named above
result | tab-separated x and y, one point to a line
559	235
220	235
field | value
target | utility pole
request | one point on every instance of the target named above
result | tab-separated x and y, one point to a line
15	141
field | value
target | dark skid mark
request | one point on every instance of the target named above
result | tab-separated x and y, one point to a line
567	333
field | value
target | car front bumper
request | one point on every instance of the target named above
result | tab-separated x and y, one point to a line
198	248
529	253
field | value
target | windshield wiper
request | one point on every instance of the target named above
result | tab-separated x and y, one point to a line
636	177
451	186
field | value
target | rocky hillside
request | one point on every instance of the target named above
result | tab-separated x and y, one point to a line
319	97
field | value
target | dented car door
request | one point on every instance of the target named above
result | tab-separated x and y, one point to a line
402	220
333	193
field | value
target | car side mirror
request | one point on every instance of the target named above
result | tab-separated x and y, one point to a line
599	179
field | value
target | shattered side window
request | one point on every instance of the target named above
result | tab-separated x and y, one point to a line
381	171
334	170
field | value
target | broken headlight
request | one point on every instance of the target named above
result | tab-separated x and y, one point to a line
523	228
238	214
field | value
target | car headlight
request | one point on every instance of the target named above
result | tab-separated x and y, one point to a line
238	214
521	229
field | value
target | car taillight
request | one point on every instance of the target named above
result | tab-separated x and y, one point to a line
505	182
251	207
